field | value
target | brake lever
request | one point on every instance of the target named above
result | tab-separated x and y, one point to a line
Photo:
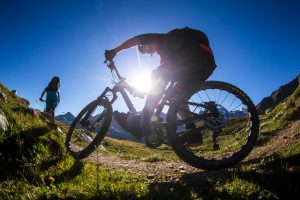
110	64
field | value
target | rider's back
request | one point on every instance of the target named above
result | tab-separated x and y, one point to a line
189	52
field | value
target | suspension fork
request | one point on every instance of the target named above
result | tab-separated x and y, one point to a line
93	106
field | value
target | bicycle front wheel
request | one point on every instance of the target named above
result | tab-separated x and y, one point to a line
88	129
220	126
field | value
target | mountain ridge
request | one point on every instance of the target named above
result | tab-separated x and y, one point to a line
278	95
67	118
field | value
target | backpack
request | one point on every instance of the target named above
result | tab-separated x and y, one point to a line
177	40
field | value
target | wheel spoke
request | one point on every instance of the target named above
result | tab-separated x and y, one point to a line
223	127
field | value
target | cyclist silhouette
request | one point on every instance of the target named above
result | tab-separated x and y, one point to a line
52	96
186	58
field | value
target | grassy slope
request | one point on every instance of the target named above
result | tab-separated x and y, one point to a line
34	165
282	114
132	150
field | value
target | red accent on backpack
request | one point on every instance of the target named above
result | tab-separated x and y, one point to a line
207	49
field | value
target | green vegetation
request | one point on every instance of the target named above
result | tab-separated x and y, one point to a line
132	150
279	117
34	164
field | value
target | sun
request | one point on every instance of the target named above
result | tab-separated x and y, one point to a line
141	80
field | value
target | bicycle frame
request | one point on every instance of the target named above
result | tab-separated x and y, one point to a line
121	86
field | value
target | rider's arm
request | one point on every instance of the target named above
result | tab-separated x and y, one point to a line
132	42
150	38
45	90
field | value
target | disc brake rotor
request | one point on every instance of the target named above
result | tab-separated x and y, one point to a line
217	120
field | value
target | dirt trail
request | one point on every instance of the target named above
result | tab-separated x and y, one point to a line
280	141
173	169
163	168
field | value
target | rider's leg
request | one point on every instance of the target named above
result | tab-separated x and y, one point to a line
184	111
192	136
51	103
138	125
158	87
52	112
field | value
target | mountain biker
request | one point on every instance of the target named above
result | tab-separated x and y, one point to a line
52	96
186	58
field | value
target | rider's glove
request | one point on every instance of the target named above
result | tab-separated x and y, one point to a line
41	99
109	54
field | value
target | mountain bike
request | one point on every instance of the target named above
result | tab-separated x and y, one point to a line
222	113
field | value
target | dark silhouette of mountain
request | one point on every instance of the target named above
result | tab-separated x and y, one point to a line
278	96
67	118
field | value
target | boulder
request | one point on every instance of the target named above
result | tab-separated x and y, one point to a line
3	96
3	122
25	101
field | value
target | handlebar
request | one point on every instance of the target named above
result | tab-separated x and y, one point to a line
111	65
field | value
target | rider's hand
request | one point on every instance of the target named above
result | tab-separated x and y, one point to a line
41	99
109	54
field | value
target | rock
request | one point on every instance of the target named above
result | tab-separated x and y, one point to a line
296	135
263	161
181	167
3	122
36	112
150	176
285	137
59	131
25	101
101	146
3	96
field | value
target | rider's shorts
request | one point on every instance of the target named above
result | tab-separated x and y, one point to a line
51	100
192	70
196	64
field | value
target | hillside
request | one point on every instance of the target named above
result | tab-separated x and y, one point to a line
35	165
278	95
115	131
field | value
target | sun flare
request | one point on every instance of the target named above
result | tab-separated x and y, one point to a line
141	80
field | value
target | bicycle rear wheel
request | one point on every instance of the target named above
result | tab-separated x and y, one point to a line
89	128
225	121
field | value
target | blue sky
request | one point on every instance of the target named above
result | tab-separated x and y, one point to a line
256	43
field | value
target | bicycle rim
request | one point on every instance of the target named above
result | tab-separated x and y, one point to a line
228	127
86	132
